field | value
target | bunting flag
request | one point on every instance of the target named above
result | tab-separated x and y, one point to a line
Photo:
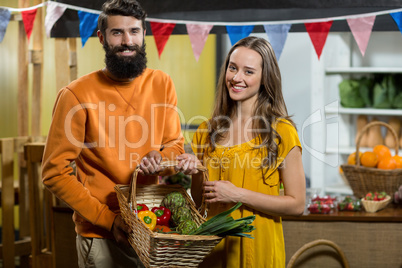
277	35
238	32
88	24
361	26
361	29
318	33
198	36
53	12
28	17
5	16
161	33
397	16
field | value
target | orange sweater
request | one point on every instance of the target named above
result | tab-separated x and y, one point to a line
107	127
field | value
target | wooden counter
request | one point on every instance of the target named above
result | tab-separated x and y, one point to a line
367	239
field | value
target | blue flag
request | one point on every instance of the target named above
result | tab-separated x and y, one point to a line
398	19
277	35
5	15
238	32
88	24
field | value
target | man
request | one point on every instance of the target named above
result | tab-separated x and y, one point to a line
108	122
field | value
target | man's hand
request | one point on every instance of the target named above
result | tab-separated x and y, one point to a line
120	230
149	164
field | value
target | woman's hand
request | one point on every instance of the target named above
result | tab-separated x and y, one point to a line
187	164
222	191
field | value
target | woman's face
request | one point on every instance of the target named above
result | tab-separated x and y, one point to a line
243	75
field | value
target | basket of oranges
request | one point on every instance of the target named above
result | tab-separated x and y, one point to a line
375	170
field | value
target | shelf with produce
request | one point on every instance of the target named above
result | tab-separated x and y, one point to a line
367	111
334	132
362	70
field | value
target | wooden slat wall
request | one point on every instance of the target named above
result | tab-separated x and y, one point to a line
22	75
7	202
10	248
37	61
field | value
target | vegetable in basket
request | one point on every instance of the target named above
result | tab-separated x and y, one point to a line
181	214
163	215
186	227
224	225
162	229
173	200
148	218
142	207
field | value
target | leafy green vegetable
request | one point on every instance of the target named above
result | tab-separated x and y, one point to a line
384	92
366	90
224	225
349	91
397	102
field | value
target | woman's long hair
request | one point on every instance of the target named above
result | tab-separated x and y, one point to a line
268	109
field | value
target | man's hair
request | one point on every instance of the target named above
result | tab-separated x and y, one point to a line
123	8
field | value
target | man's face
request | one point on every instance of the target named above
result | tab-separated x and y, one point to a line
124	46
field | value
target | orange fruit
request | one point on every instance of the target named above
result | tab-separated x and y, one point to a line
387	163
382	152
398	160
352	158
369	159
340	170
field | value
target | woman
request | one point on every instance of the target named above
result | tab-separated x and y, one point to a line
250	146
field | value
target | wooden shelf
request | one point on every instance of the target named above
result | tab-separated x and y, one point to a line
392	213
368	111
362	70
349	150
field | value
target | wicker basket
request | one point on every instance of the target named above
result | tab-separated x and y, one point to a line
363	179
374	206
316	243
158	249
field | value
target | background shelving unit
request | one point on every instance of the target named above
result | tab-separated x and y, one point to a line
333	126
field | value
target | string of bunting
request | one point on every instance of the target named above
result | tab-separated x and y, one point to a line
361	26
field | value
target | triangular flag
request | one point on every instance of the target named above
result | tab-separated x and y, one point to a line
28	17
5	16
53	12
88	24
238	32
198	36
398	19
318	33
361	29
161	33
277	35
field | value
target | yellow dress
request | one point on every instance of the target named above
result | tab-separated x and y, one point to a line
240	164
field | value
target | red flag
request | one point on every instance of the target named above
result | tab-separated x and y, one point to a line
28	17
318	33
161	33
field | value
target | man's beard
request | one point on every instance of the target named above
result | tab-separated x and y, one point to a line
125	67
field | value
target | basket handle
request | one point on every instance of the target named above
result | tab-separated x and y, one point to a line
133	183
365	129
317	243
